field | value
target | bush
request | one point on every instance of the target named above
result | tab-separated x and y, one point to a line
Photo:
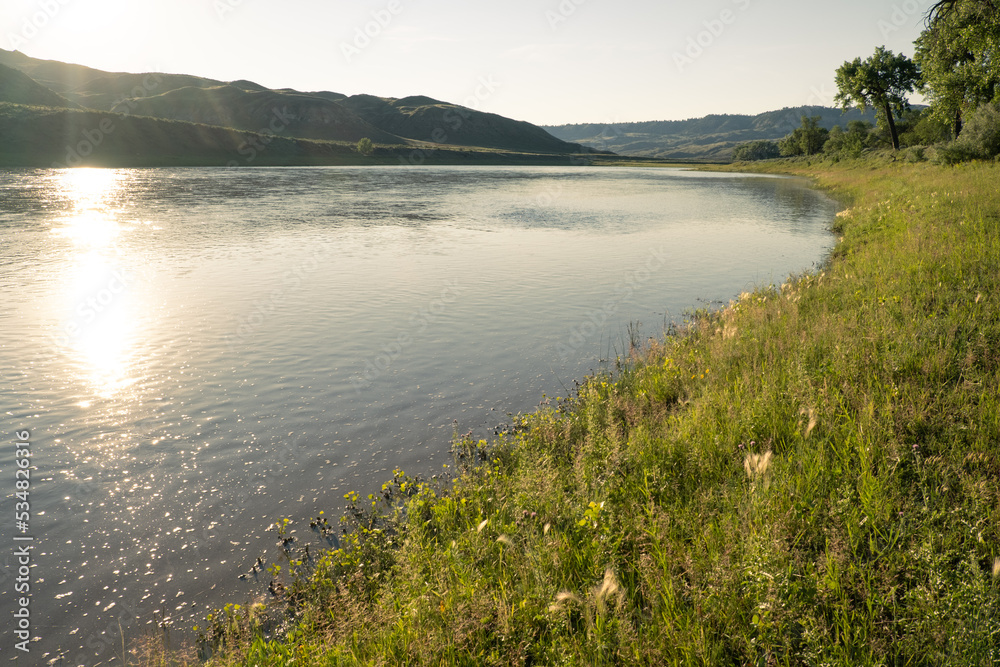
365	146
950	153
916	154
981	135
980	139
756	150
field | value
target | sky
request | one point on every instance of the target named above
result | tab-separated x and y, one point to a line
545	61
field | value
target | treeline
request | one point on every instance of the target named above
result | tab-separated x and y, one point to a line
956	66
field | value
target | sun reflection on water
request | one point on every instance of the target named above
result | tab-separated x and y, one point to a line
90	222
99	294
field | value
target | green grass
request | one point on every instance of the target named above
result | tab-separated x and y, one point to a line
810	476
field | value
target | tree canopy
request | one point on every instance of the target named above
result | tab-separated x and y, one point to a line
807	139
756	150
959	56
880	82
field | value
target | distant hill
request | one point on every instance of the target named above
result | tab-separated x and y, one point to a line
106	92
32	136
19	88
711	138
426	119
60	77
286	114
418	122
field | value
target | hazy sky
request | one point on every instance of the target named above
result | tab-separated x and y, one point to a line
545	61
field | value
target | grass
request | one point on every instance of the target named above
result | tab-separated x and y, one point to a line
810	476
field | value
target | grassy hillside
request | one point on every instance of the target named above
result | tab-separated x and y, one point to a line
283	113
425	119
18	88
44	137
106	92
808	477
711	138
431	127
60	77
47	137
94	88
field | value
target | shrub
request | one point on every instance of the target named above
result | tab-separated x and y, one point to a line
952	152
981	135
365	146
756	150
980	139
916	154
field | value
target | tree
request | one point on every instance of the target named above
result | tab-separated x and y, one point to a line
981	138
959	57
880	82
807	139
924	128
365	146
756	150
852	142
944	8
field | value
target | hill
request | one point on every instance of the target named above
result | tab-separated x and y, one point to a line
420	122
106	92
34	136
288	114
58	76
426	119
710	139
19	88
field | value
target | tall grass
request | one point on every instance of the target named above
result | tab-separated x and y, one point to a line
810	476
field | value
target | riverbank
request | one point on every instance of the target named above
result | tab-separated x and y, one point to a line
809	476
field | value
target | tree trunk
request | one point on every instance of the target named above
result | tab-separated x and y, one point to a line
958	123
892	127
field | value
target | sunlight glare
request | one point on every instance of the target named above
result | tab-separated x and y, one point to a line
99	329
90	222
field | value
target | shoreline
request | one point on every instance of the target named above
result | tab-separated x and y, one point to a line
792	479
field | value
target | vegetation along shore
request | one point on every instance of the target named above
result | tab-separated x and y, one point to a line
808	476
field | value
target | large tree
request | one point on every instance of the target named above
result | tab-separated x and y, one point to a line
880	82
942	8
959	57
